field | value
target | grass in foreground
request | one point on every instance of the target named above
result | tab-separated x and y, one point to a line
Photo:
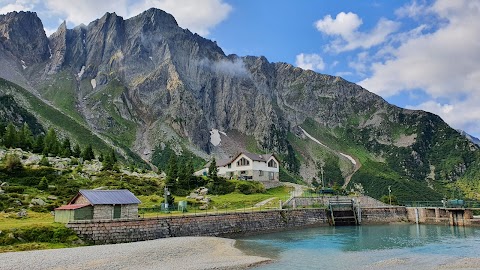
38	236
11	221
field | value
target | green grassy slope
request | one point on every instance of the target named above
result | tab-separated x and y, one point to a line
51	116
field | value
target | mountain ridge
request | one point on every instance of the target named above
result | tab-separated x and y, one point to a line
144	82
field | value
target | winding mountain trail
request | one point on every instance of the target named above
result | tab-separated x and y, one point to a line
297	189
355	162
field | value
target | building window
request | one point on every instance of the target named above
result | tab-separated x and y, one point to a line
243	172
229	166
260	173
272	164
271	176
243	162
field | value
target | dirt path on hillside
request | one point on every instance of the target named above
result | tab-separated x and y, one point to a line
297	191
262	203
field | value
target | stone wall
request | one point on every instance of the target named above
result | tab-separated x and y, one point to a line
130	211
231	224
106	211
102	211
382	215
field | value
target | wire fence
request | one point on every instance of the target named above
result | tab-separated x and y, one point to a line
197	210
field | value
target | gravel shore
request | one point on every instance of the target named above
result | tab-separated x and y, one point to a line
170	253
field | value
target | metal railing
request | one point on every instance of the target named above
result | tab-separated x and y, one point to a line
440	204
157	211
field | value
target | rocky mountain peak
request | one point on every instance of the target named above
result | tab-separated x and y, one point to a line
22	34
158	17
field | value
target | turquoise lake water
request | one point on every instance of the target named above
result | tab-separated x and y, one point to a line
403	246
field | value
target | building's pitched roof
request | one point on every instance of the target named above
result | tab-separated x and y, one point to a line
253	157
118	196
71	206
223	162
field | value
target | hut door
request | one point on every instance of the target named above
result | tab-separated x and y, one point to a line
117	211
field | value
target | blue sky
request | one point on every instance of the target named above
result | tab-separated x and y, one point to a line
417	54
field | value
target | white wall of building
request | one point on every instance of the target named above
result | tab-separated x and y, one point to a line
252	169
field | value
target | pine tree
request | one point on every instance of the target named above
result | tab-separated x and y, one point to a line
20	143
51	143
87	153
212	169
113	156
66	148
172	170
109	161
10	138
38	144
77	152
43	185
28	138
185	174
189	171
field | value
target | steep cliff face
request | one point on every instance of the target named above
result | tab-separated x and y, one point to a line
142	81
22	35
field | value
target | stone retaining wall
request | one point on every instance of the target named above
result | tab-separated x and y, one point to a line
230	224
384	215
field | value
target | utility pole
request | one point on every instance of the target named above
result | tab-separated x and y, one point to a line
321	171
166	193
390	194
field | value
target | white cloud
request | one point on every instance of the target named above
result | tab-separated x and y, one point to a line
413	10
360	64
310	61
49	31
345	28
464	115
18	5
234	67
444	63
198	16
345	24
85	11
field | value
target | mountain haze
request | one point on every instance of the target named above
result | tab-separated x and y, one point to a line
144	84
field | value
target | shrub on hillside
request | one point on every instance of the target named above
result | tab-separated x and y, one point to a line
14	189
48	234
44	162
248	187
13	163
219	186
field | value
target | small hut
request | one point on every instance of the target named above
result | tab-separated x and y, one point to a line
99	204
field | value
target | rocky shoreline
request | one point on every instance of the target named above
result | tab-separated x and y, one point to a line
170	253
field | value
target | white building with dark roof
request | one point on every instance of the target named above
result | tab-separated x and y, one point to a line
248	166
99	204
